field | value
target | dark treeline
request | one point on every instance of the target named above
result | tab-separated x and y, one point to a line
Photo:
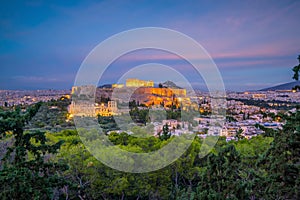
275	104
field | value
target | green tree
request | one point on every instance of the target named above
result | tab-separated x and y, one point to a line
221	178
239	135
281	162
166	134
27	172
296	70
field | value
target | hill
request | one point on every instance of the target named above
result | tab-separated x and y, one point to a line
170	84
285	86
105	86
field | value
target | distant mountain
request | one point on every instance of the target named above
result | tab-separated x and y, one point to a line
170	84
285	86
105	86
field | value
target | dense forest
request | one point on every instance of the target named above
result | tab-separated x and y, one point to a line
56	165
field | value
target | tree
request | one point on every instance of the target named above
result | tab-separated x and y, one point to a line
166	134
221	177
239	135
282	160
296	70
27	172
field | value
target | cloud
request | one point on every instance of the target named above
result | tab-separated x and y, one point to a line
35	79
61	78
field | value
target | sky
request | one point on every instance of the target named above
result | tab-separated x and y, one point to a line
43	43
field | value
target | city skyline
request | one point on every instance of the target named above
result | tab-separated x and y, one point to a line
42	45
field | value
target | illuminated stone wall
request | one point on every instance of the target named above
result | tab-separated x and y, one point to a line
83	109
107	110
132	82
165	92
84	90
117	85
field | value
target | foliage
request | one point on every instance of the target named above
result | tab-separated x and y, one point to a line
166	134
296	70
140	116
264	167
22	176
282	162
51	116
229	171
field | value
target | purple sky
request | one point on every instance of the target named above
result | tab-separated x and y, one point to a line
42	45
